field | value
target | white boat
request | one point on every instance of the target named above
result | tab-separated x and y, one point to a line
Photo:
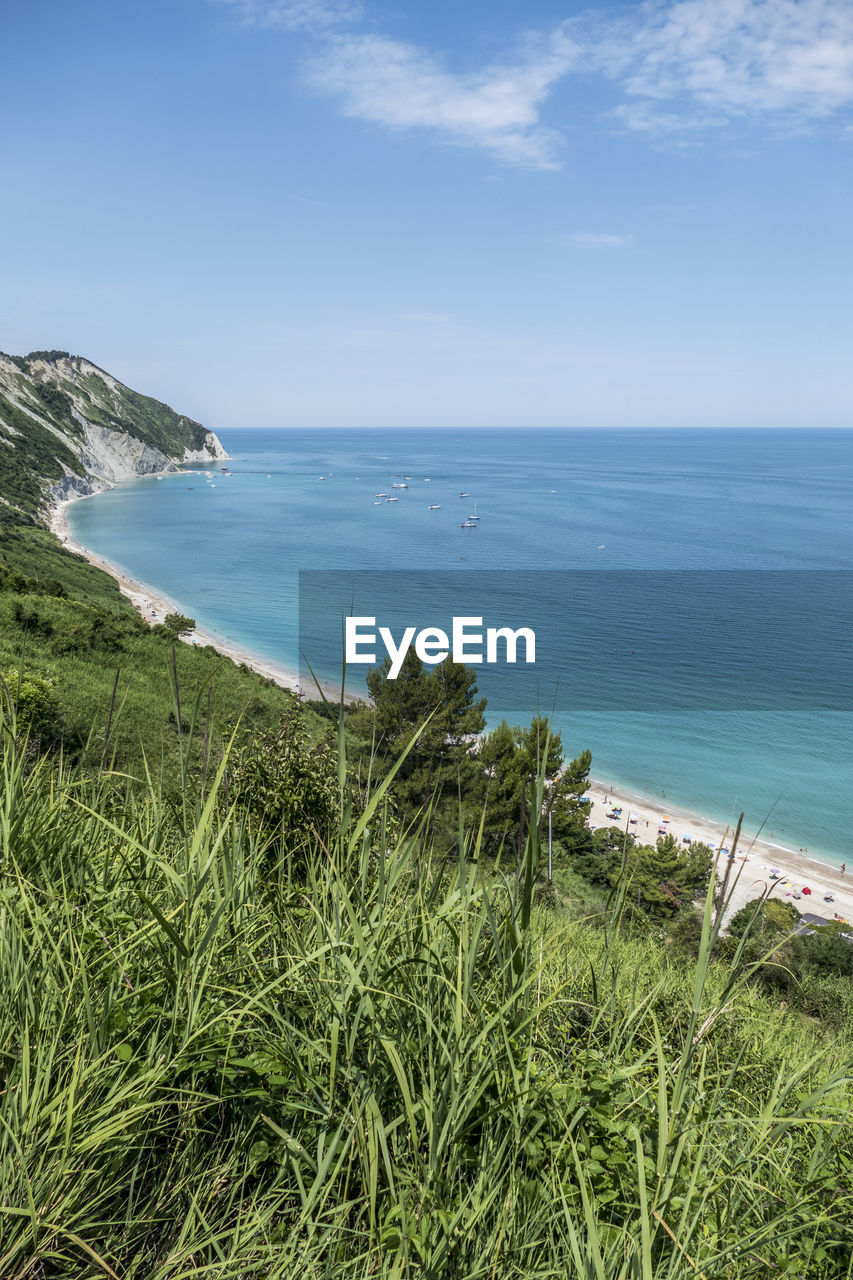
392	499
468	524
464	495
427	479
398	484
377	503
382	495
475	516
434	506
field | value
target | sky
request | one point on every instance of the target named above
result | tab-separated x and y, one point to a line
306	213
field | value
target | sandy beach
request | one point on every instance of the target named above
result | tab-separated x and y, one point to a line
153	606
756	857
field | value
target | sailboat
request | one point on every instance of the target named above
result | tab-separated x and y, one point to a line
475	516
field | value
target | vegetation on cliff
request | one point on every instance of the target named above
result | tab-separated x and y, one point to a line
50	402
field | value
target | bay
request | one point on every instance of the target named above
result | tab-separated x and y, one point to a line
229	548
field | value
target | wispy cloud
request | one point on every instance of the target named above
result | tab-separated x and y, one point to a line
294	15
598	240
496	109
642	117
730	57
682	67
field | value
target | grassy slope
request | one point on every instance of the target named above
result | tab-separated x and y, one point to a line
81	640
36	553
223	1061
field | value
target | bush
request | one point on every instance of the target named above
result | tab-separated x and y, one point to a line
289	784
176	625
36	706
774	919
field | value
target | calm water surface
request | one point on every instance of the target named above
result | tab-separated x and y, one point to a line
229	549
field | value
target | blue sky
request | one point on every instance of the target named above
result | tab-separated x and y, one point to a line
332	213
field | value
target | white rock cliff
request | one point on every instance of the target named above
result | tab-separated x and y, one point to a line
82	393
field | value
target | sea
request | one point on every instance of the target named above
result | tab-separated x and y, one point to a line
691	590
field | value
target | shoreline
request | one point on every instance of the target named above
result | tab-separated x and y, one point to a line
153	605
756	857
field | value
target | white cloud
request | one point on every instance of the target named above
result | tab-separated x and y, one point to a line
599	240
683	67
734	57
294	15
496	109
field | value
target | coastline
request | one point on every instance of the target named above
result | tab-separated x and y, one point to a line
757	854
153	605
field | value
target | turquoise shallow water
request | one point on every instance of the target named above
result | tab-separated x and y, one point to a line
229	548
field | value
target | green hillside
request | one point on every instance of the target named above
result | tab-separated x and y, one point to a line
89	661
286	997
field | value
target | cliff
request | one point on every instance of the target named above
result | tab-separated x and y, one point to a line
68	428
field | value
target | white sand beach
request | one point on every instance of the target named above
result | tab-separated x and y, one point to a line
755	858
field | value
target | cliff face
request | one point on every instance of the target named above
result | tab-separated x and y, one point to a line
68	428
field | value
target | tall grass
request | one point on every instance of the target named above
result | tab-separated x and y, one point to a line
223	1056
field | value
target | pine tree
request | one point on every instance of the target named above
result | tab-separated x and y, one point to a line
441	703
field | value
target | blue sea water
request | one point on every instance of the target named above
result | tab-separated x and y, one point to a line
229	549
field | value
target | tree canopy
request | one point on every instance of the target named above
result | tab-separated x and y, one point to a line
435	715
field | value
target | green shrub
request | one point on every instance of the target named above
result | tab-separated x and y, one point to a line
289	783
34	702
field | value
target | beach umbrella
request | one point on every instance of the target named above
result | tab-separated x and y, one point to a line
775	872
666	818
633	818
806	889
